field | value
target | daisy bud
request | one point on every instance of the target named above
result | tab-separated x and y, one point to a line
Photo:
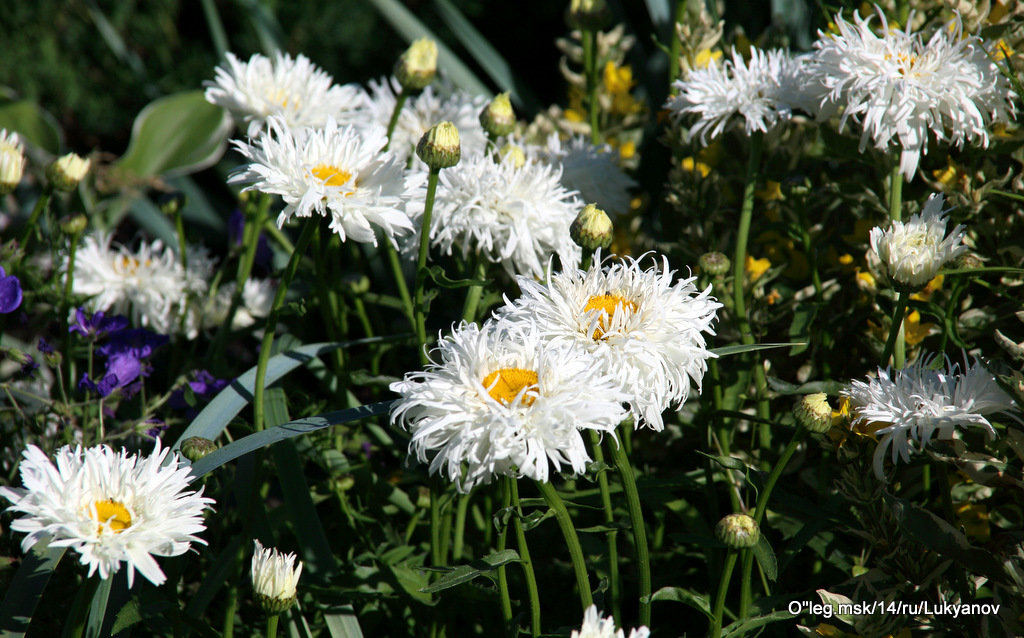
196	447
592	229
814	413
439	147
515	152
65	172
417	67
591	15
74	224
498	118
714	264
274	577
738	531
355	283
12	161
171	203
16	355
912	252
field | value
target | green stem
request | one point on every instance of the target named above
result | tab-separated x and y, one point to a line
899	350
31	228
436	557
399	103
676	45
272	626
403	289
330	310
179	226
579	566
68	286
590	72
506	600
636	519
723	587
229	613
739	290
614	586
421	261
275	312
460	527
896	334
474	293
524	555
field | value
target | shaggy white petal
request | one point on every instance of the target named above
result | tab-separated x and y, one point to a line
475	431
593	171
913	252
109	507
918	403
274	574
638	325
596	627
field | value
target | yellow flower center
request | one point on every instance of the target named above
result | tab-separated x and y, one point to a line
504	385
114	514
334	176
128	265
607	304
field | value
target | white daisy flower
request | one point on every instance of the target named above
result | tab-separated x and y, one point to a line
336	172
918	403
295	89
761	92
110	507
637	325
596	627
274	576
898	87
148	284
514	214
420	113
912	252
500	402
593	171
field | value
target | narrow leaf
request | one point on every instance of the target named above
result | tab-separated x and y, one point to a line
685	596
98	608
740	348
766	558
437	274
342	623
745	626
469	571
27	587
33	124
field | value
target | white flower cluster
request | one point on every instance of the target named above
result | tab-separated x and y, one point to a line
578	353
110	507
919	403
596	627
153	288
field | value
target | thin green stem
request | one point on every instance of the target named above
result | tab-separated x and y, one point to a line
676	45
403	289
739	290
68	287
614	585
579	566
179	227
229	612
506	600
272	626
275	312
636	519
460	527
723	587
436	557
31	229
590	72
395	112
524	555
895	192
896	334
469	308
421	262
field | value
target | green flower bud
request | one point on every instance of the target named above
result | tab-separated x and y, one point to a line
417	67
171	203
592	228
498	118
738	531
814	413
356	283
518	157
74	224
715	264
67	171
196	447
439	147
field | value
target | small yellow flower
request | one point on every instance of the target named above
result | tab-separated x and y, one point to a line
866	281
926	293
914	332
756	267
771	191
617	79
846	259
705	57
974	519
627	150
691	165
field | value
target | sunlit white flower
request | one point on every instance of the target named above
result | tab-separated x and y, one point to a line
421	112
274	576
295	89
761	92
638	325
12	161
148	284
593	171
912	252
514	214
596	627
257	299
110	507
335	171
898	88
918	403
497	401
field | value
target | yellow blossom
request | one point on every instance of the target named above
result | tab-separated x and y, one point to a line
705	57
771	191
691	165
1002	50
866	281
914	331
926	293
617	79
756	267
846	259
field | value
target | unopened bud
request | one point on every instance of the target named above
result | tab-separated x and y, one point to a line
12	161
738	531
417	67
67	171
714	264
511	152
589	15
196	447
498	119
355	283
74	224
814	413
171	203
439	147
592	228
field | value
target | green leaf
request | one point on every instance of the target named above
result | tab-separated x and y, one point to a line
98	608
33	124
209	423
740	348
469	571
499	70
727	462
766	558
410	28
437	274
27	587
342	623
272	435
803	316
176	135
745	626
685	596
301	511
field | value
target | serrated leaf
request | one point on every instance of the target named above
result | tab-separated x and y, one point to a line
469	571
176	135
685	596
766	558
